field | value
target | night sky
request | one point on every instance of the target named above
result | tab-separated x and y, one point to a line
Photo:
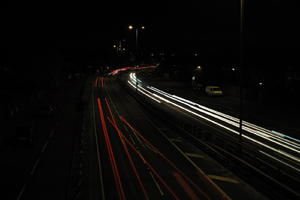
29	28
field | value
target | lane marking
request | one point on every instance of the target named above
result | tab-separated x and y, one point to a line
35	166
45	146
176	140
193	155
224	179
156	184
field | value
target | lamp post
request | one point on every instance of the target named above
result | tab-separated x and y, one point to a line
242	20
136	28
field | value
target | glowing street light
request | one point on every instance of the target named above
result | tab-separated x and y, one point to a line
136	28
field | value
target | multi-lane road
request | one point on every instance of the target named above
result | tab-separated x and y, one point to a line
138	156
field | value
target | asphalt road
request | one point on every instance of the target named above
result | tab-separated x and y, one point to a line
140	157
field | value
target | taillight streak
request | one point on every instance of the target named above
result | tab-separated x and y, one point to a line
120	134
111	154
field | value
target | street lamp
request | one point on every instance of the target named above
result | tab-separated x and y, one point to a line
136	28
242	29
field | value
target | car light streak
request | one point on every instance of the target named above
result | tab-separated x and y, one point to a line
282	140
144	93
198	115
286	136
120	134
227	128
185	186
261	133
151	168
245	123
166	159
280	161
111	154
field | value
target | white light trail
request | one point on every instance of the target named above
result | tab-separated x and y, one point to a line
271	136
261	132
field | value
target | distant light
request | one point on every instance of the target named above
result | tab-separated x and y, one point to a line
115	46
123	49
260	83
130	27
199	68
233	69
196	54
193	78
143	27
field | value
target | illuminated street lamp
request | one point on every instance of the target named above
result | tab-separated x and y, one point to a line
136	28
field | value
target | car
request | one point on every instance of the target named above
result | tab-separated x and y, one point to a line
213	91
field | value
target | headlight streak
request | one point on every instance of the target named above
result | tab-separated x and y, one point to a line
269	135
227	128
248	126
279	160
144	92
245	123
286	136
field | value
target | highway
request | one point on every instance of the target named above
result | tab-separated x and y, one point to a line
141	157
275	145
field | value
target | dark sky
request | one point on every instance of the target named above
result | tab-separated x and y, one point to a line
179	25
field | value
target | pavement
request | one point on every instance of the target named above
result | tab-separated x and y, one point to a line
40	169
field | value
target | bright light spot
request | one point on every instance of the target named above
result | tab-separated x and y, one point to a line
199	68
233	69
124	49
143	27
130	27
114	46
196	54
260	83
193	78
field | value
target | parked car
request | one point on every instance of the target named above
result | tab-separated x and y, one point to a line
213	91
